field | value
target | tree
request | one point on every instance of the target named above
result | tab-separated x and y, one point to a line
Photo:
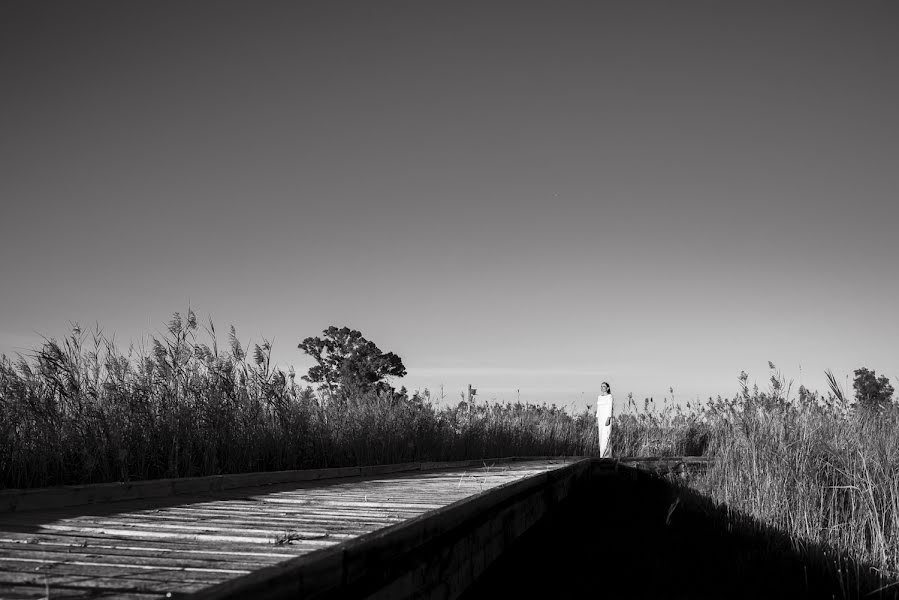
872	391
349	362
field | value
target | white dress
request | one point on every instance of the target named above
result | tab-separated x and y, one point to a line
604	413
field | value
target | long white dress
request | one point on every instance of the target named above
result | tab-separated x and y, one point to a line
604	412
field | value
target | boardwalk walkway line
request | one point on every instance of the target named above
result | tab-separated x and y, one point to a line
345	533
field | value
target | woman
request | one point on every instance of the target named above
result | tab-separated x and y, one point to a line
605	411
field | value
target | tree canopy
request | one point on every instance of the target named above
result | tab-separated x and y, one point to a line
872	391
346	361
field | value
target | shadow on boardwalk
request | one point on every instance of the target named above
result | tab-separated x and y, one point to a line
637	536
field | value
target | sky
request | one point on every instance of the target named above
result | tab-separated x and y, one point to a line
528	197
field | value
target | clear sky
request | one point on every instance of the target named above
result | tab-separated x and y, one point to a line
517	195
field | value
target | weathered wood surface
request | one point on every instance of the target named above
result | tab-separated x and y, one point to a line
12	500
170	545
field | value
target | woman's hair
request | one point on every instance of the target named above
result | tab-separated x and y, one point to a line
606	383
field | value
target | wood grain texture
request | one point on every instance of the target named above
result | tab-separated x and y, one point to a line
17	500
182	537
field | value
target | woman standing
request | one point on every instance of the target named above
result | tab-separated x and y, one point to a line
605	410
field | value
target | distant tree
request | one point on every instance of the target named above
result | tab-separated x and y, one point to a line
346	362
872	391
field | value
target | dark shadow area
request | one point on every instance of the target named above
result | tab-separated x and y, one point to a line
635	535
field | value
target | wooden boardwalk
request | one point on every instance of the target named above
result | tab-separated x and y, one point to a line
175	545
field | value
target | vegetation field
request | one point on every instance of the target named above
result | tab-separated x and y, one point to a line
816	467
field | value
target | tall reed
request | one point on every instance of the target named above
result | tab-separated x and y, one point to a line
817	468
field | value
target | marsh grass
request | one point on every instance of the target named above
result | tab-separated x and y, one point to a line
183	404
816	468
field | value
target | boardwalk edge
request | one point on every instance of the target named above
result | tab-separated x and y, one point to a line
20	500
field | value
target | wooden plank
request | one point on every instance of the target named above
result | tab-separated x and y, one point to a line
322	524
212	556
187	526
372	470
45	498
146	582
318	519
17	564
150	545
312	515
288	549
9	558
192	528
268	538
45	592
306	514
359	512
264	510
120	582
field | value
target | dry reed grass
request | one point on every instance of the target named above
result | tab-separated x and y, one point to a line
81	411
